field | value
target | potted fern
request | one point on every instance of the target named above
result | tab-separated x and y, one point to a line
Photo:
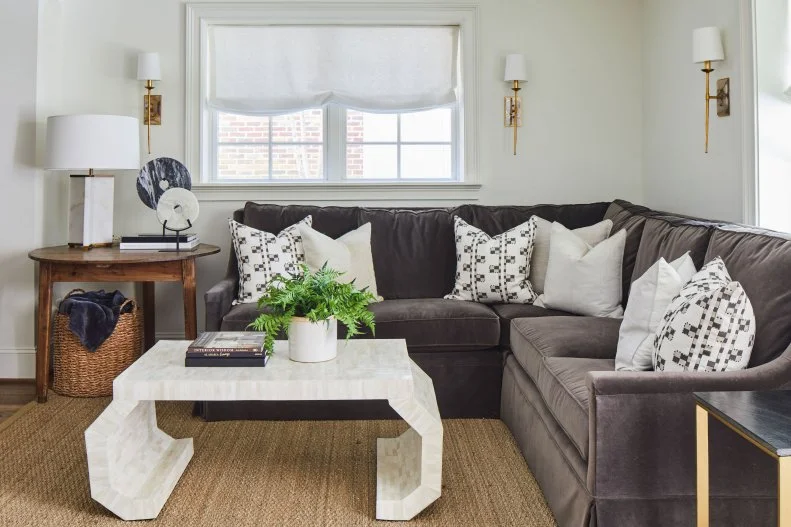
308	307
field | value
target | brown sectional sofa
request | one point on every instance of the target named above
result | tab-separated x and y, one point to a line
608	448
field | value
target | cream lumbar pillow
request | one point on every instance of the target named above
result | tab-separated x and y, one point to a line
349	254
649	298
592	235
582	279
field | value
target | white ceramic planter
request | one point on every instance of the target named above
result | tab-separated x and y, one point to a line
312	341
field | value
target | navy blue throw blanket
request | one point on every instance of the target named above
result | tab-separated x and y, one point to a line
93	315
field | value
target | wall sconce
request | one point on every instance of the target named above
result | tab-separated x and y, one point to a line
707	48
148	70
515	72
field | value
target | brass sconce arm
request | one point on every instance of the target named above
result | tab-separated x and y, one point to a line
515	111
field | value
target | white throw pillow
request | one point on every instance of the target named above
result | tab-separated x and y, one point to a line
493	269
349	254
262	255
592	235
648	300
709	326
582	279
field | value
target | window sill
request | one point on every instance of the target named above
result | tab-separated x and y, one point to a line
329	191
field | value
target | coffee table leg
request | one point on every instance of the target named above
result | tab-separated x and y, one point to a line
409	467
133	466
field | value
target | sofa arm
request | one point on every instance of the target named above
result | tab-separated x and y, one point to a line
774	374
218	302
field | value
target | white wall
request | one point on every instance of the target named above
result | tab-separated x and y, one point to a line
19	217
773	72
678	175
581	140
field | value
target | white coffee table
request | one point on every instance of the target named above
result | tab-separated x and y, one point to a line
133	466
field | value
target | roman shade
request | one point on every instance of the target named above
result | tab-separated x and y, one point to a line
269	70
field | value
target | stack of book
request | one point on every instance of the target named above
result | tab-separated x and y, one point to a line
227	348
159	242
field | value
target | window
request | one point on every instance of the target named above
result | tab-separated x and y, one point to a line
415	146
355	98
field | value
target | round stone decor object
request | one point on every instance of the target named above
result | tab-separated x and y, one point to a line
179	208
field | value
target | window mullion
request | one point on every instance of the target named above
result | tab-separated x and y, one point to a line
398	146
335	142
269	148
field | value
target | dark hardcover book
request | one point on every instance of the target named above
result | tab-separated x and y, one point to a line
225	362
158	238
228	342
227	354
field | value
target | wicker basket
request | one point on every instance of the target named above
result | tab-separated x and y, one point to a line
81	373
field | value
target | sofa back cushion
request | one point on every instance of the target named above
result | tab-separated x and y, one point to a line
670	238
332	221
414	251
761	262
631	218
494	220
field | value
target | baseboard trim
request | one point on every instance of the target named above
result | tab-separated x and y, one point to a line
17	364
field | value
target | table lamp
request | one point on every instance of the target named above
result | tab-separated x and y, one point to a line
92	143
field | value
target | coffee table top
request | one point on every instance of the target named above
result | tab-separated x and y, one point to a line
363	369
764	417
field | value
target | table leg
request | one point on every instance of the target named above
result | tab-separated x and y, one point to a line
190	314
149	315
784	492
43	331
702	447
133	466
409	467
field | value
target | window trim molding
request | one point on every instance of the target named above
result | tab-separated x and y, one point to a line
199	16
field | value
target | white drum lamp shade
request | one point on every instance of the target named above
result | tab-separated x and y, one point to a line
515	68
148	68
98	142
707	45
88	143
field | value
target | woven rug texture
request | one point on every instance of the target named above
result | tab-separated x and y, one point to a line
262	473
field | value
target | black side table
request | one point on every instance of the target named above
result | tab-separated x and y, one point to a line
763	419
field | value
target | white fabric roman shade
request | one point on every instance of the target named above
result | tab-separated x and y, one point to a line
279	69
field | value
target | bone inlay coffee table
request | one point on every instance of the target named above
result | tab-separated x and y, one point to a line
133	466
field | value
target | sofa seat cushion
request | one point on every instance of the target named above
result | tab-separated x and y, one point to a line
535	339
510	312
427	324
436	324
561	383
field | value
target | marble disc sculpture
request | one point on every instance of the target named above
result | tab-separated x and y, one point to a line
160	175
179	208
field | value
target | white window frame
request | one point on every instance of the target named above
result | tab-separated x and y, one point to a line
199	127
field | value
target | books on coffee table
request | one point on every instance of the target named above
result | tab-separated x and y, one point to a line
227	348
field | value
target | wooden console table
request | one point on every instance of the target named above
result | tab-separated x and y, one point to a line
66	264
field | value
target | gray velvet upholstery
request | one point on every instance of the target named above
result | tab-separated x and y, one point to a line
509	312
607	448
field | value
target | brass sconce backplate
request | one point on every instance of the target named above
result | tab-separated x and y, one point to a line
156	110
724	97
509	111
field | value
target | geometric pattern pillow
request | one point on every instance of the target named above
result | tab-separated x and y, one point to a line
709	326
263	255
493	269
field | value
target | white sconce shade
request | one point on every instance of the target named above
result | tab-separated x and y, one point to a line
148	67
515	68
99	142
707	45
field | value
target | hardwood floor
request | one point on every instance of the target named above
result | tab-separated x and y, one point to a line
14	394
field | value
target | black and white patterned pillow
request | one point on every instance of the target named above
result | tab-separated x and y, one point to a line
709	326
262	255
493	269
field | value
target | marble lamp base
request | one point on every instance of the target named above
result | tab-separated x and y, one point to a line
91	210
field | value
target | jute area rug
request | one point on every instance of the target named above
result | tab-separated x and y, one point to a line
262	473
